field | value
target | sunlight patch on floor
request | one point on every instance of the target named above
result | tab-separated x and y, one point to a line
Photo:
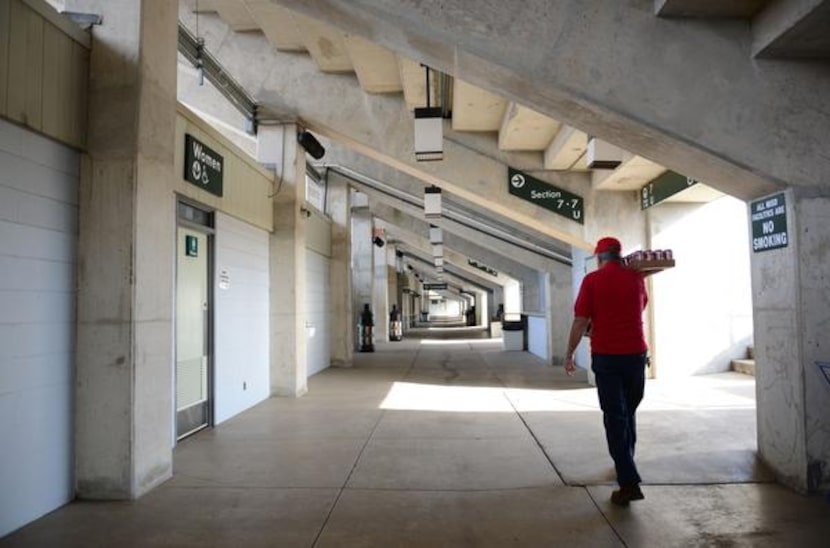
697	395
456	342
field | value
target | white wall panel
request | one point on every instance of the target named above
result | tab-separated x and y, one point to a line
38	241
537	336
318	312
241	317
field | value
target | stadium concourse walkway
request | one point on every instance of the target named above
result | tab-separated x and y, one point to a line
449	441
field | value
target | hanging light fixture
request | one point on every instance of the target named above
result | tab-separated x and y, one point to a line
436	235
432	202
429	130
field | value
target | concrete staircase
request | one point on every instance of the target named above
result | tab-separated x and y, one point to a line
745	365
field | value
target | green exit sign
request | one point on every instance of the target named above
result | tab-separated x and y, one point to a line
191	246
545	195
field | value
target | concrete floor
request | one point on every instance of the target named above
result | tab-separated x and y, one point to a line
455	443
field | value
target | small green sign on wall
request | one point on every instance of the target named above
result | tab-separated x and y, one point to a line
191	246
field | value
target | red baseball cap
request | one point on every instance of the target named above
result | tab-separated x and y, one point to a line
608	244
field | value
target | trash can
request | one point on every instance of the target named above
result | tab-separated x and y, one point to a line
513	336
395	325
366	326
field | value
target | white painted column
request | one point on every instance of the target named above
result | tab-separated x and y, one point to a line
124	370
791	313
288	275
582	356
342	315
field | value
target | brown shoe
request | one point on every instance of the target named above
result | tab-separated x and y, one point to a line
627	493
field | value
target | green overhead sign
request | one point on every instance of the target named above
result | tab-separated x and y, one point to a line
202	166
435	287
545	195
664	187
769	223
482	267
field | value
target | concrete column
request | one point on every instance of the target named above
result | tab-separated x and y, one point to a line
362	257
342	315
288	275
124	396
483	309
380	293
558	307
791	314
394	292
532	294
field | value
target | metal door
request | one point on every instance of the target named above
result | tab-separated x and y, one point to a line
193	386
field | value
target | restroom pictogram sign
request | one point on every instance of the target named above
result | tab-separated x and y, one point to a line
203	166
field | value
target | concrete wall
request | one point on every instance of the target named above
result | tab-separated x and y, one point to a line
44	68
240	289
38	254
701	309
318	233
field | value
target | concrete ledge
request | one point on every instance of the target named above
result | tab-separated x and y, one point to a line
747	367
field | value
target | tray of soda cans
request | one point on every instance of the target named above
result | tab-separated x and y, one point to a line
650	261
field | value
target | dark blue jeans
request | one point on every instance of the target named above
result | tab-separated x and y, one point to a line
620	383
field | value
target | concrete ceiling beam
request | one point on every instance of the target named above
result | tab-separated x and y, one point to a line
476	109
325	43
632	174
689	96
376	67
566	149
793	29
708	8
413	80
697	194
482	144
525	129
451	257
236	15
405	220
473	235
292	87
207	6
277	24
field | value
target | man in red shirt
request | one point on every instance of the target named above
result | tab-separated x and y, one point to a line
612	300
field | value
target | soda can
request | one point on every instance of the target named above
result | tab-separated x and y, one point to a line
659	255
668	254
648	255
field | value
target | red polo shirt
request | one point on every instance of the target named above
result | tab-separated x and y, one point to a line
614	297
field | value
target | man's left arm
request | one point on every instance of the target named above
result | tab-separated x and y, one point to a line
578	327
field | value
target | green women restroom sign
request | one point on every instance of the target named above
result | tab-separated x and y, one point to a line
203	166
